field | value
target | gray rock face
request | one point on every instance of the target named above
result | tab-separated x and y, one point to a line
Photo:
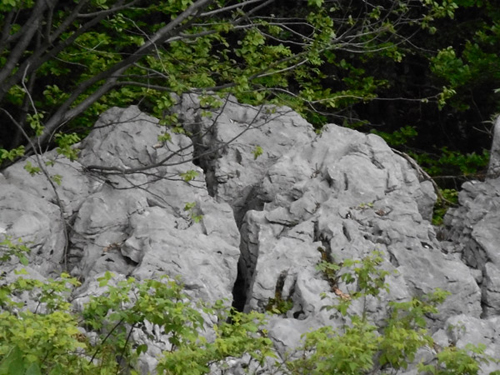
474	230
266	220
494	165
38	222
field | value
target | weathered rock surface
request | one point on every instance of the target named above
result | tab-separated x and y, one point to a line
266	221
475	229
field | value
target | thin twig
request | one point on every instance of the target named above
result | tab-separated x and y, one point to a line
41	165
424	176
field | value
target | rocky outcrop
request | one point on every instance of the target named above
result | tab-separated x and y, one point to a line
474	232
266	220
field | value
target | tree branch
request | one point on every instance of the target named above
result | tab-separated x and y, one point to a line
17	52
63	114
36	59
225	9
60	205
6	37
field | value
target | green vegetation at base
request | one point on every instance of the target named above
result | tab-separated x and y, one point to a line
52	338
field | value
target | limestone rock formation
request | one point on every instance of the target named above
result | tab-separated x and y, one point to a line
474	232
266	220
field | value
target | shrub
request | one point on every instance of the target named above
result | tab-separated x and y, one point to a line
52	338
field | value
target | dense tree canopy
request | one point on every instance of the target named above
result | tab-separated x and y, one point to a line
461	59
64	62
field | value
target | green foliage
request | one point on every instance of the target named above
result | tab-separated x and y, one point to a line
42	341
64	143
329	271
475	62
162	302
317	3
12	154
191	208
446	64
52	338
442	206
365	206
405	332
352	349
189	176
468	163
279	306
398	137
257	151
35	122
105	54
57	178
369	279
359	347
349	352
453	163
9	249
452	360
31	169
233	339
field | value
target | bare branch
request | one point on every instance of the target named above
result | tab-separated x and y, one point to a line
63	114
108	11
60	204
67	21
231	7
20	48
6	37
38	58
424	176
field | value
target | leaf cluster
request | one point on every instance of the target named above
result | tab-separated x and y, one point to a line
361	347
53	338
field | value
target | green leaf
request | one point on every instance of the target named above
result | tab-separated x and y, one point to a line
24	261
13	363
189	206
189	175
57	178
257	151
33	369
143	348
317	3
32	170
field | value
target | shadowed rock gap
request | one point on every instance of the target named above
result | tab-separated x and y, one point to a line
204	142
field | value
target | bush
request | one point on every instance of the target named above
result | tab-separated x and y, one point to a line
52	338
